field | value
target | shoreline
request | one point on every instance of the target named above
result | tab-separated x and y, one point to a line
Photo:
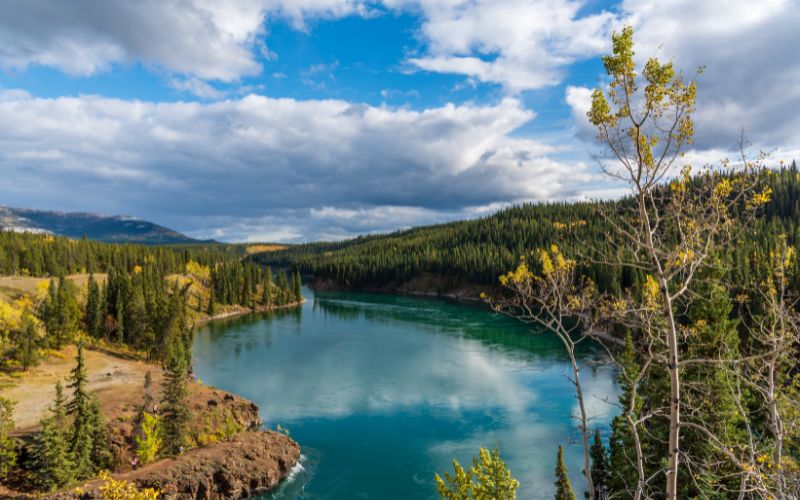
246	310
252	461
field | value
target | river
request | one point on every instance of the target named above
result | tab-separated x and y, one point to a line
383	391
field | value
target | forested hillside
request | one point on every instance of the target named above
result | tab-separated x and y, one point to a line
478	251
141	297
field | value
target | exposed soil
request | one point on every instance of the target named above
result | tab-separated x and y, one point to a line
249	464
231	459
12	287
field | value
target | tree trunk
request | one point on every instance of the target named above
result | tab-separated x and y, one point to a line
675	398
587	469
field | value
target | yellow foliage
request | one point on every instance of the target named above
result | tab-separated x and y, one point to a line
651	291
42	288
201	272
113	489
761	198
149	445
723	188
547	263
519	275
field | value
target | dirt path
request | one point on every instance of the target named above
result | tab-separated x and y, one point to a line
12	287
117	382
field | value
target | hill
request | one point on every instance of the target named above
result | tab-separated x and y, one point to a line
114	229
457	257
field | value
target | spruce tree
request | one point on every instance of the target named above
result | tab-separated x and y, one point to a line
82	413
67	312
50	314
298	287
600	472
712	391
175	412
94	312
8	449
211	299
52	462
120	326
27	344
563	485
622	474
266	294
136	317
101	443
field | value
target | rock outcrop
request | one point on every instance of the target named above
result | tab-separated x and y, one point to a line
249	464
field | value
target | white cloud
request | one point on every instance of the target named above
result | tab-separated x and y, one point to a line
750	74
520	44
579	99
327	167
751	65
207	39
197	87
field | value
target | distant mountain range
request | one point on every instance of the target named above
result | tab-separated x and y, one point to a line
116	229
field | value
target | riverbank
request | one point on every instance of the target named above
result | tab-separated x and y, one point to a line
234	311
251	463
426	285
230	457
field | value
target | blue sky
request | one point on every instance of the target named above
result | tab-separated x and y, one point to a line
297	120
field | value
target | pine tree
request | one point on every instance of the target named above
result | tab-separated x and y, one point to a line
101	444
622	474
120	325
175	413
136	317
266	293
94	313
600	466
713	394
298	287
8	449
67	312
211	299
83	431
50	313
51	458
563	485
27	344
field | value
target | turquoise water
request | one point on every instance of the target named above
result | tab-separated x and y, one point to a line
383	391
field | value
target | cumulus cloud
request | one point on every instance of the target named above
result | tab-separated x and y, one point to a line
520	44
326	165
750	68
207	39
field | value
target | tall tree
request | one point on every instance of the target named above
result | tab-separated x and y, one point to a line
51	458
600	467
175	412
297	286
28	342
8	449
67	312
94	309
80	408
563	484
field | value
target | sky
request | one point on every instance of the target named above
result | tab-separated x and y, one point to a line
304	120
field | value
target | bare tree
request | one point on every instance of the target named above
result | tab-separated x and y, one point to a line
674	222
557	301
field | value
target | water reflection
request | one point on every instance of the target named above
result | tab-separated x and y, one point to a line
394	387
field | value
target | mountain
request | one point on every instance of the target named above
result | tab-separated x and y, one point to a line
116	229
